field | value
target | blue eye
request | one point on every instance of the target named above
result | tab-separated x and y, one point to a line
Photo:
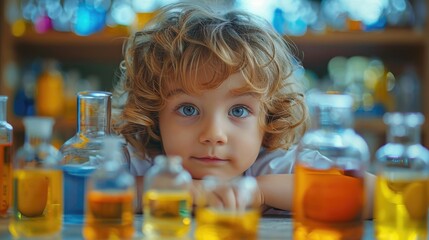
240	112
187	110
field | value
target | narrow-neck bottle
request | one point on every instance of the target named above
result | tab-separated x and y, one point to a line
331	160
110	196
402	188
37	183
6	134
82	153
167	199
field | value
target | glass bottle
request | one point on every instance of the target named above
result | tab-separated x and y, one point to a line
167	199
82	152
110	196
402	188
37	183
331	160
49	96
6	134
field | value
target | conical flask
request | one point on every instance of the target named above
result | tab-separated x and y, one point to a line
82	153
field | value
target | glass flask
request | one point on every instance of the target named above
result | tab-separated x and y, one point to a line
82	153
37	183
110	196
6	134
331	160
167	199
402	187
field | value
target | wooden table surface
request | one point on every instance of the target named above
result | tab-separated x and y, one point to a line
269	228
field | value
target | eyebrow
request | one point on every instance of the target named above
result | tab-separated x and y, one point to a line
238	92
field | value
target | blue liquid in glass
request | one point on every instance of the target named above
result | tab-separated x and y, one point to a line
75	177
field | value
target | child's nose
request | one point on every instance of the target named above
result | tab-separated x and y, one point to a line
213	132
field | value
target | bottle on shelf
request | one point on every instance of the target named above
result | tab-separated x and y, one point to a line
82	153
110	196
331	161
401	191
6	134
167	200
38	183
49	97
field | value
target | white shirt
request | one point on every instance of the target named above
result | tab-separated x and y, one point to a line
268	162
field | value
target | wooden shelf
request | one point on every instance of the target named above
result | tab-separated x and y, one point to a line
386	37
110	38
100	47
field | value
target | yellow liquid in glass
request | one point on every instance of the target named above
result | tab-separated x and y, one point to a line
215	224
37	202
109	216
401	207
167	213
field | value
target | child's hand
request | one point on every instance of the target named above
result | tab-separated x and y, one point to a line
228	196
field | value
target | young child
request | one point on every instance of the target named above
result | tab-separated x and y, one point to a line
217	90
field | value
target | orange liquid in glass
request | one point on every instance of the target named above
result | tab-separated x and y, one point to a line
328	204
5	178
109	216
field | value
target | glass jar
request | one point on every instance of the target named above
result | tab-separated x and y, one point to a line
110	196
167	199
402	188
38	183
82	153
6	134
331	161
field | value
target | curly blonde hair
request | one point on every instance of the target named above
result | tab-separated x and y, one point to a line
184	38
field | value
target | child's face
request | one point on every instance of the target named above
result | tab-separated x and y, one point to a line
216	132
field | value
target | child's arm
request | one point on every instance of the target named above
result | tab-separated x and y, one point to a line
276	190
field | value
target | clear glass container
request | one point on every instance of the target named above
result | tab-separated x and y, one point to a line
82	152
402	188
110	196
167	199
217	220
6	134
37	183
331	161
